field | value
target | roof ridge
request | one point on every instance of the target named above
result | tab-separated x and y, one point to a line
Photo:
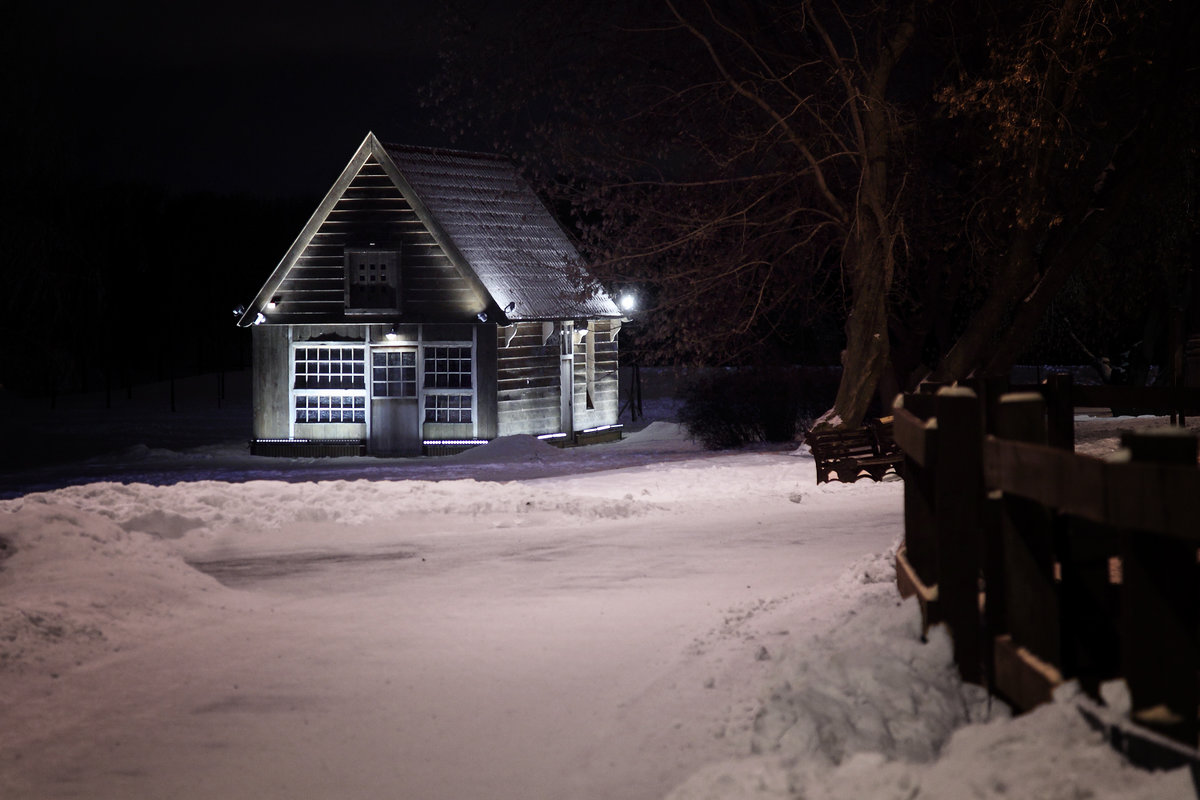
444	151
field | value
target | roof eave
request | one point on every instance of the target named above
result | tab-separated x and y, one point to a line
368	146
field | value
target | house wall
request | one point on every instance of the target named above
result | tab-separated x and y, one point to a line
486	371
600	347
373	212
527	394
270	370
272	375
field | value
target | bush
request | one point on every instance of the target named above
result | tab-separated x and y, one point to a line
733	407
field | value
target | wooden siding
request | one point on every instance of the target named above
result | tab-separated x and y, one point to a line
270	368
526	382
605	397
486	343
373	212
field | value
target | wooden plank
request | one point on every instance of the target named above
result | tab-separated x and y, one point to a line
915	436
1160	657
909	584
1088	602
1021	416
995	597
1032	603
1050	476
1160	623
1022	677
1160	498
958	491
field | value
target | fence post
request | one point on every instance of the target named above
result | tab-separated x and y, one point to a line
958	493
920	541
1028	605
1160	656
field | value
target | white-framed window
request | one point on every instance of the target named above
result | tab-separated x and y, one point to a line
372	280
394	373
448	383
447	367
329	383
330	408
448	408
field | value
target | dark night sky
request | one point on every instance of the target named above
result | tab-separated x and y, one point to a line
269	98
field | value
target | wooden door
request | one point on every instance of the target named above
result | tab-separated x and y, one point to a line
395	414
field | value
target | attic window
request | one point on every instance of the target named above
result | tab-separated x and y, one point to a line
372	280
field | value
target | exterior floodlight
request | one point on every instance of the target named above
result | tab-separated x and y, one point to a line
275	301
237	312
481	316
628	302
259	319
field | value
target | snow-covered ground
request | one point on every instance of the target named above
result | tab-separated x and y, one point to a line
641	619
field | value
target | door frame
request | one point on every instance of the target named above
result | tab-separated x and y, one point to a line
375	402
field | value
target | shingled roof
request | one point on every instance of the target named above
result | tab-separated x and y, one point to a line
502	231
488	221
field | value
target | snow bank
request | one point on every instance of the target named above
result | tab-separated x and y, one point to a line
78	584
91	569
866	710
169	512
510	449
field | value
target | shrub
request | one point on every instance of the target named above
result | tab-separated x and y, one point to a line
733	407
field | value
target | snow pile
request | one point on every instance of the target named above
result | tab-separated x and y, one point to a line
510	450
866	710
78	584
169	512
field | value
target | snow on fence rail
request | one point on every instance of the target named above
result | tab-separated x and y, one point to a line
1049	565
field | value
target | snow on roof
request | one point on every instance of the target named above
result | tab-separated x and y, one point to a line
503	231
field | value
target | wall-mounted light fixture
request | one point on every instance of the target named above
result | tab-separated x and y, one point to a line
274	303
391	335
259	319
481	316
237	312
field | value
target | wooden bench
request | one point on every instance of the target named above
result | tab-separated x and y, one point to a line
850	454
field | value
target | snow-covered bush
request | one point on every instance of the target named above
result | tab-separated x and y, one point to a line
731	408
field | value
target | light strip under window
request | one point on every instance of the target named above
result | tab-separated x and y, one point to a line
454	441
603	428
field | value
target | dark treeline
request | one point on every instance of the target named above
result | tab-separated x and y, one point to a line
112	285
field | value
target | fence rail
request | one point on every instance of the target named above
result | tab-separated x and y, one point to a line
1046	564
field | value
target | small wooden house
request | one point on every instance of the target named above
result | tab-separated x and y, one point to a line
431	303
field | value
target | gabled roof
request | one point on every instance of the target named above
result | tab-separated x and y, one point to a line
487	219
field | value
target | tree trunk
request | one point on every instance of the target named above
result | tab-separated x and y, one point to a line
869	250
867	344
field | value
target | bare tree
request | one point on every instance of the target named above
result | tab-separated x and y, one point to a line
752	162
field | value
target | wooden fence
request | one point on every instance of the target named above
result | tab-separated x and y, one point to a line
1049	565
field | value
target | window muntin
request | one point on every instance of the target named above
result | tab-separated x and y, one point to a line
447	382
394	373
329	384
447	367
448	408
325	367
330	408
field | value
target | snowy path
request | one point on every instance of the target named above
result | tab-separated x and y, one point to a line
595	646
